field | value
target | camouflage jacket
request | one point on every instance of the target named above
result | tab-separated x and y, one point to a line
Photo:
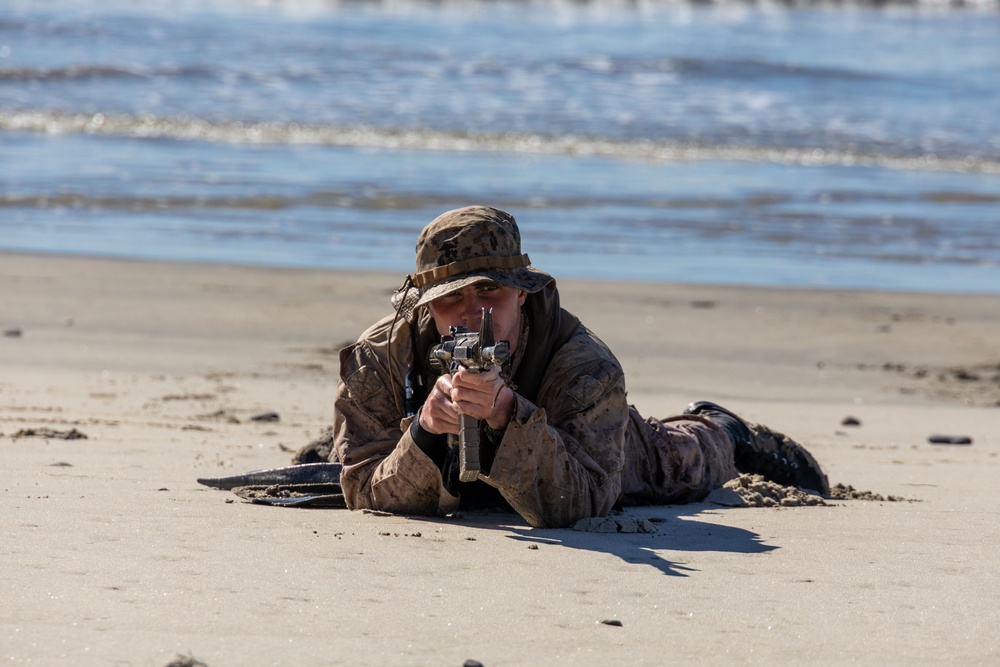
560	458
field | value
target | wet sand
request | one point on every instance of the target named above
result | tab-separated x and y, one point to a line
122	382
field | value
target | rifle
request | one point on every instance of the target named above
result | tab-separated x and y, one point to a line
477	353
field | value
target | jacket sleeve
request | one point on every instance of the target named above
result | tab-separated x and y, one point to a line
562	460
383	468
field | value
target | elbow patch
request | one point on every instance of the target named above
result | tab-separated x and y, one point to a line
363	384
585	391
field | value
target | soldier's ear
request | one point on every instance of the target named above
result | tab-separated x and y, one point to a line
521	296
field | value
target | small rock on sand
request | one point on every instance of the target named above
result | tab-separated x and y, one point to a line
939	439
186	661
50	433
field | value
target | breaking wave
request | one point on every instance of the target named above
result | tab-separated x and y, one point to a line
422	139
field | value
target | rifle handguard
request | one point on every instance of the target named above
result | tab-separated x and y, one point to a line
468	448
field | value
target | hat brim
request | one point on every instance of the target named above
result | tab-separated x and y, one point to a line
529	279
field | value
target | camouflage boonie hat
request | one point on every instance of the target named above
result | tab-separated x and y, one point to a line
467	246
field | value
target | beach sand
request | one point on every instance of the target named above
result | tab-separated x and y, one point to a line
114	555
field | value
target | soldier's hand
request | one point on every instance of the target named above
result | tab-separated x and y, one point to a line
439	415
484	396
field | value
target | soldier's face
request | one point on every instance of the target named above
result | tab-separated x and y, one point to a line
465	308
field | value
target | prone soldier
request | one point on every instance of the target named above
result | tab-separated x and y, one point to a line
558	440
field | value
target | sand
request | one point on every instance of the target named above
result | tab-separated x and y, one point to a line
123	382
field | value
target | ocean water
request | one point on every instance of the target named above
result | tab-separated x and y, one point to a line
829	145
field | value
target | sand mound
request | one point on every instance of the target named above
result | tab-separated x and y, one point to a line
756	491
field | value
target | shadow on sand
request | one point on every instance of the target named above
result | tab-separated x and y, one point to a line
677	529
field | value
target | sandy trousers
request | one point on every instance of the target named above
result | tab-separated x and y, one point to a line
674	460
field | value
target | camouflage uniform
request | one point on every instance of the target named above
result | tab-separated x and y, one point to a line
574	448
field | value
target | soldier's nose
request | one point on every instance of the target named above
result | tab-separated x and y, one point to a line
472	315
